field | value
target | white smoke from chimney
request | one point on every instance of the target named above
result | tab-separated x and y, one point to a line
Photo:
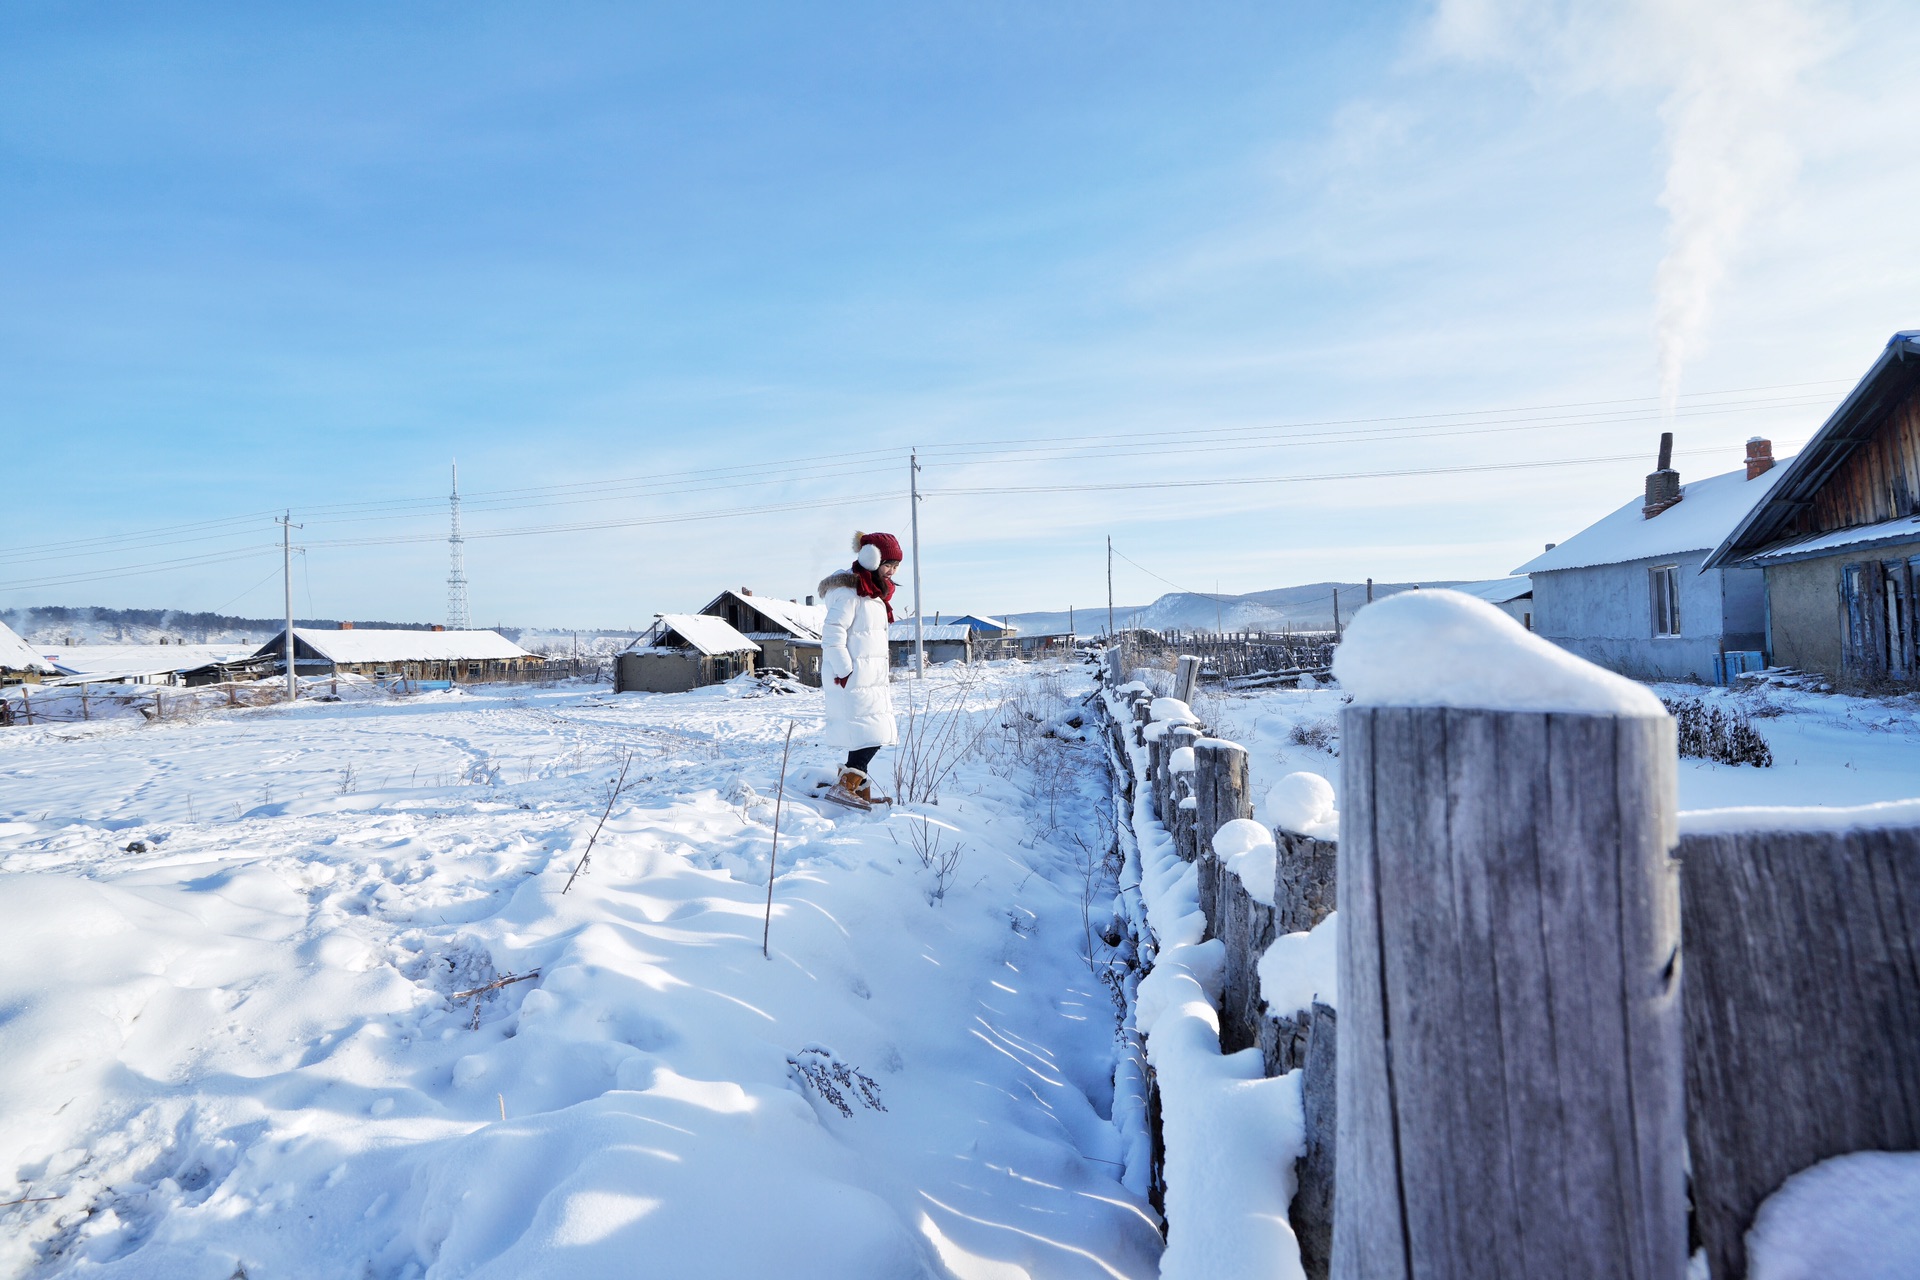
1731	77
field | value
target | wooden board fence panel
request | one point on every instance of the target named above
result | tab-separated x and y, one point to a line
1802	1012
1511	1079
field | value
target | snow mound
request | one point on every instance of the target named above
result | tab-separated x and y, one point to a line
1181	761
1855	1215
1245	848
1446	649
1300	968
1303	803
1174	711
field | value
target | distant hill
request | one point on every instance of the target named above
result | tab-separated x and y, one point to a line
1304	608
55	625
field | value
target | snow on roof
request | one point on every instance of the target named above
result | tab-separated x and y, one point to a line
704	632
803	620
1444	649
119	661
366	644
1496	590
1899	529
903	630
17	655
980	622
1706	514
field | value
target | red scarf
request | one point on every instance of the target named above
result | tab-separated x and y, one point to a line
871	585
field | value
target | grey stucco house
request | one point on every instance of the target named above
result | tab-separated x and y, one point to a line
1838	535
1633	591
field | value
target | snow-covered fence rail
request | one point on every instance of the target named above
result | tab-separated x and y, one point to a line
1802	995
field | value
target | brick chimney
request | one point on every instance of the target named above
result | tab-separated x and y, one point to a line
1663	484
1759	456
346	626
746	591
438	627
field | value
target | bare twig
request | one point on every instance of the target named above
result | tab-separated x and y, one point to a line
496	984
773	859
612	795
8	1204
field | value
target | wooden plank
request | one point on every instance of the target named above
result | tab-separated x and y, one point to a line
1305	876
1802	1012
1512	1076
1369	1230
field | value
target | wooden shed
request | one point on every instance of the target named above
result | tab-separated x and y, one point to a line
946	642
683	651
1838	535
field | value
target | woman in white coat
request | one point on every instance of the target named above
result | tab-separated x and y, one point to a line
854	662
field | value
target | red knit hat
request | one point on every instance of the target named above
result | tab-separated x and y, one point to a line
885	547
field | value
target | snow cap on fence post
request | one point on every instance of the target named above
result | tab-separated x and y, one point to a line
1449	649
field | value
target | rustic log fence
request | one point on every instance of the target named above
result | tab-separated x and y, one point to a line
1510	893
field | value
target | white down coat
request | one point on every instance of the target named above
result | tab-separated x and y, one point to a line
853	643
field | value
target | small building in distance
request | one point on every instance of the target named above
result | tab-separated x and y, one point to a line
683	651
1511	596
1633	592
983	627
1837	536
787	631
946	642
468	657
20	663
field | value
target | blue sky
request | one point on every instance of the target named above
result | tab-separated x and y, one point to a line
255	258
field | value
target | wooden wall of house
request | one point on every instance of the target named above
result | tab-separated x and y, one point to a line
1881	481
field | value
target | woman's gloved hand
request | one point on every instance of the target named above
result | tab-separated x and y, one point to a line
841	681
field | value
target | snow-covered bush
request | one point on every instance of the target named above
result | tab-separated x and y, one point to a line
1708	733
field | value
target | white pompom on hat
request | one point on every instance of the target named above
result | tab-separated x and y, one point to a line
875	549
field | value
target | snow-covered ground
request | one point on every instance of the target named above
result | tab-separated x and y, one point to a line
1828	749
232	942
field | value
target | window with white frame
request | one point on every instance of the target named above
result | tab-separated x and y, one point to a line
1665	583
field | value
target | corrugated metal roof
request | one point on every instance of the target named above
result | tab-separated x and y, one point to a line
371	645
708	634
1902	529
17	655
1706	513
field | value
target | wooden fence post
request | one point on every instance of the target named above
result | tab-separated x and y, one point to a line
26	703
1511	1082
1186	677
1802	1011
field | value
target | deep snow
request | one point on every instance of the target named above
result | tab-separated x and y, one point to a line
236	1051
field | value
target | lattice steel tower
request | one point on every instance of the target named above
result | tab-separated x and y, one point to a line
457	575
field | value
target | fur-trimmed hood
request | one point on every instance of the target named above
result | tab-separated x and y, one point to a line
839	578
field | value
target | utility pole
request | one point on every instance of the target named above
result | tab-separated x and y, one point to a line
1369	590
287	526
1336	615
1109	586
919	621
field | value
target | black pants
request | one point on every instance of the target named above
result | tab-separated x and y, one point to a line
862	758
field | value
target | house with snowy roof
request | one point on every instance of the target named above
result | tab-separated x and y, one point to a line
787	631
1837	535
1633	592
945	641
20	662
439	654
683	651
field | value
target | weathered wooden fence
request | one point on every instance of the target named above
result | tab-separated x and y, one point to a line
1238	657
1537	1031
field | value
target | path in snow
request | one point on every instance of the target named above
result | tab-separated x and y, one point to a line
235	1053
